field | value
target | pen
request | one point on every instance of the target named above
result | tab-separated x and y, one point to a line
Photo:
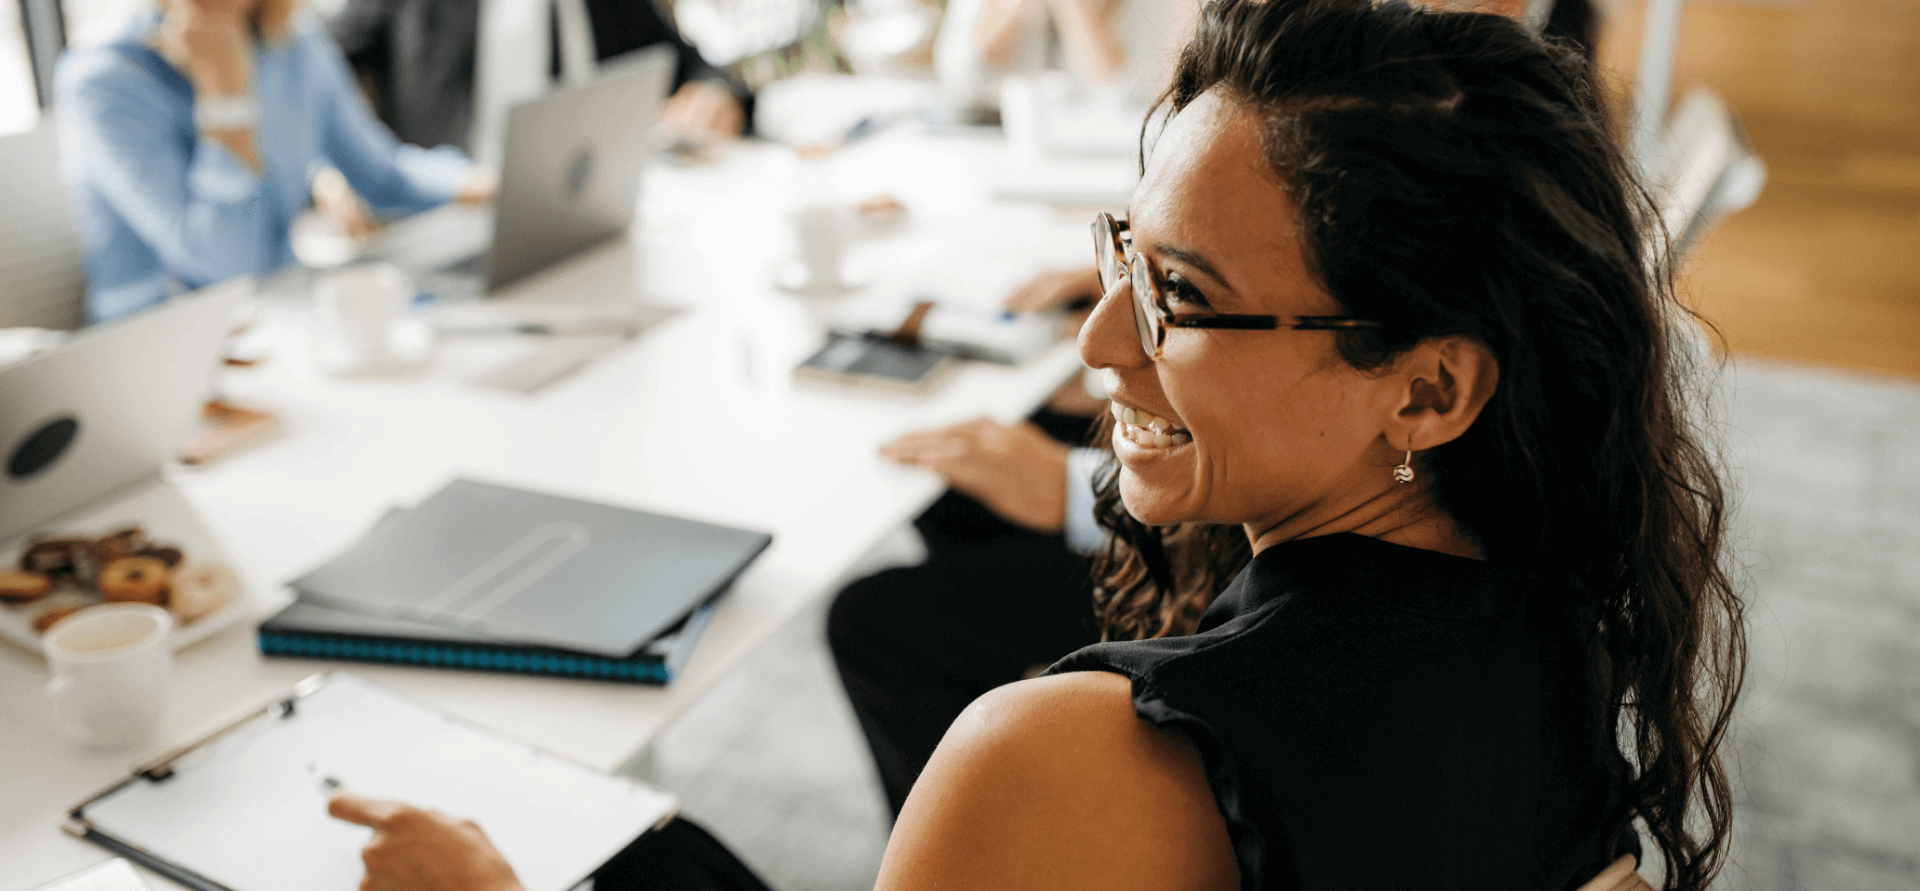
329	784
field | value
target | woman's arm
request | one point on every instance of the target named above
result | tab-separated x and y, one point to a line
1094	52
998	31
394	178
1053	783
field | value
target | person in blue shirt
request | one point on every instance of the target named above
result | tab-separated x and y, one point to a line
188	141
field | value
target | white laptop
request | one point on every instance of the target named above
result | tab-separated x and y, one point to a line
570	180
86	429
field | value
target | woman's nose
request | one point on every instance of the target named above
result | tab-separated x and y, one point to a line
1110	338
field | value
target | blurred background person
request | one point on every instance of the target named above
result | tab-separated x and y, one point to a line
417	59
1122	47
187	144
445	72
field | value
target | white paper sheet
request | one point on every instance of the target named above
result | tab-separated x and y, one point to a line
248	810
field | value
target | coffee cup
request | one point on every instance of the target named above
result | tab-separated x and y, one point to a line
112	665
360	305
821	233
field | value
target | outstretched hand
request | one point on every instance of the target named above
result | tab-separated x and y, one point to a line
1052	290
703	110
421	850
1017	471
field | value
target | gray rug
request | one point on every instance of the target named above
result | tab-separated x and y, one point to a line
1828	467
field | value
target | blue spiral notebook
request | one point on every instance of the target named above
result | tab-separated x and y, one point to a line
315	631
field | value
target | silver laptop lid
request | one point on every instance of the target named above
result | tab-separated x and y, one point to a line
110	406
571	174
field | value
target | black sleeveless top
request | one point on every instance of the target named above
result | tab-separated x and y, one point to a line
1378	716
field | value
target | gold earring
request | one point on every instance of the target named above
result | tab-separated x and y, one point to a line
1404	473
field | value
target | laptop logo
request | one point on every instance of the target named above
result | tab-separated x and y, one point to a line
42	447
579	172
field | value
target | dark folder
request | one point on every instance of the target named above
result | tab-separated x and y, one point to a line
528	569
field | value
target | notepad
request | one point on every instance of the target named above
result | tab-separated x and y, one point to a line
246	809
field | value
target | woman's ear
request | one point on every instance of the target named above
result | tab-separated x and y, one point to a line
1445	383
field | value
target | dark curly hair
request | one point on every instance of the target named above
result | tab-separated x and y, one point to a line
1456	175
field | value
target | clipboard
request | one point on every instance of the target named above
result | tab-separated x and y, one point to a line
244	809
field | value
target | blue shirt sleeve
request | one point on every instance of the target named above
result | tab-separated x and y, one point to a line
394	178
196	205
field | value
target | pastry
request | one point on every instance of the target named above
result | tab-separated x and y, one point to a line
125	542
201	589
165	554
21	587
46	619
52	556
139	579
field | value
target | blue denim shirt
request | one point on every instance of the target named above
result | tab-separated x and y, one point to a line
162	208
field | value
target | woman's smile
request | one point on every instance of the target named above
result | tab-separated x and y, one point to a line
1145	429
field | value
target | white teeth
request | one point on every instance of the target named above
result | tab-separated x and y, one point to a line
1147	429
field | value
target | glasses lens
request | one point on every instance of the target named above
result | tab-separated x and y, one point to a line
1104	258
1146	316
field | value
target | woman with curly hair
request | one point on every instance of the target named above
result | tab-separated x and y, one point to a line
1387	353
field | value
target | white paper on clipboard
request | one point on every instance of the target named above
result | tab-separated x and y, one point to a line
248	809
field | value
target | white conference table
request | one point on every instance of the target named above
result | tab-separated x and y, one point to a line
698	416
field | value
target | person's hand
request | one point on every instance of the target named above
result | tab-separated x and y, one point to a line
212	42
421	850
336	201
1051	290
703	110
480	188
1017	471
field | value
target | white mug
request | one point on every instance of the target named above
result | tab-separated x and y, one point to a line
821	231
111	666
359	305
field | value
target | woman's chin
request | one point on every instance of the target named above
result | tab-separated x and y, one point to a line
1147	503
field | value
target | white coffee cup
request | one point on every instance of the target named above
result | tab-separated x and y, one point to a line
359	306
112	665
821	233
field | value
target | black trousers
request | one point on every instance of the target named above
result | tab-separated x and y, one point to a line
915	645
679	856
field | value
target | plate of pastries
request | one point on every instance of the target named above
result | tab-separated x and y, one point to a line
53	575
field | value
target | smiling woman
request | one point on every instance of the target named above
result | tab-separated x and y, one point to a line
1505	393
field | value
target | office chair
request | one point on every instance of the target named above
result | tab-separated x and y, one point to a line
1703	171
43	279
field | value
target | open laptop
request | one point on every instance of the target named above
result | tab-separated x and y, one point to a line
570	180
110	407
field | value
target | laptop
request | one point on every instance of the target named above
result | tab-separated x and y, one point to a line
570	179
110	407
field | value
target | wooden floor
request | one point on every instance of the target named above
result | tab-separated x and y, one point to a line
1825	268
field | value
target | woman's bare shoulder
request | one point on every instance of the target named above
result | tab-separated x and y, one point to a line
1054	783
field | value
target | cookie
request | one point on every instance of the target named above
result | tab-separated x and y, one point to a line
201	589
22	587
46	619
135	579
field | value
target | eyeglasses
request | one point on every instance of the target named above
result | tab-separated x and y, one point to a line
1113	256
